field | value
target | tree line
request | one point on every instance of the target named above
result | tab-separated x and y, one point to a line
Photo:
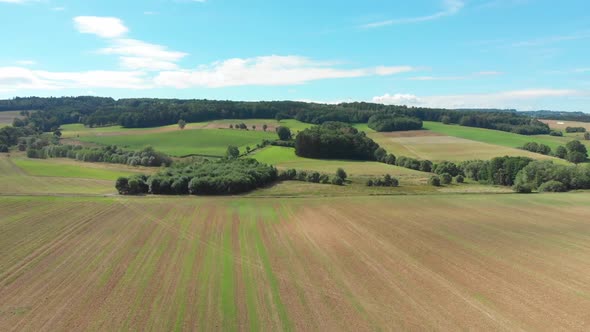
107	154
574	151
391	122
145	112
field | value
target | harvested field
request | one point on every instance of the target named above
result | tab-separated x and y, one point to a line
79	130
395	263
7	117
437	147
561	125
495	137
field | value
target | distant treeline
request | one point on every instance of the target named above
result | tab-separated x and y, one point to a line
107	154
390	122
136	113
563	116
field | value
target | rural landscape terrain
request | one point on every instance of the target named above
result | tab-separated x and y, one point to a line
294	165
384	246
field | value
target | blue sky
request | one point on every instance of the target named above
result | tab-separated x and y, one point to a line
524	54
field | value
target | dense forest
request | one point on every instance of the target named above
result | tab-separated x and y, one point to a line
135	113
563	116
335	140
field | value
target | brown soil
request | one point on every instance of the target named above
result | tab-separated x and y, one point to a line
461	262
412	133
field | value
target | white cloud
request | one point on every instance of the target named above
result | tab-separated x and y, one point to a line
136	54
450	7
18	78
266	71
526	98
58	9
105	27
397	99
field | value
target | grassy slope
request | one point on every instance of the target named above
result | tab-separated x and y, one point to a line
14	180
211	142
286	158
374	263
68	169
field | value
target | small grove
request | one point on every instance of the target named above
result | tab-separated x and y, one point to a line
227	176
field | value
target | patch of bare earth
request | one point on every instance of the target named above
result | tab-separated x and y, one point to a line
412	133
461	262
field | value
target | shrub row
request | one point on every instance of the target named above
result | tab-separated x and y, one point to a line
108	154
575	130
537	148
313	177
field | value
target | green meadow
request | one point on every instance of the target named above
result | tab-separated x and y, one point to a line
206	142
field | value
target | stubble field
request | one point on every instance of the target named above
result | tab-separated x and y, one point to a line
413	262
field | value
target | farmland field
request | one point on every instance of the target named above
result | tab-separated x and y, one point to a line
7	117
561	125
178	143
71	169
59	176
493	136
283	157
406	262
79	130
424	144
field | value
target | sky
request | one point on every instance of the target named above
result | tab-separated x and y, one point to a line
522	54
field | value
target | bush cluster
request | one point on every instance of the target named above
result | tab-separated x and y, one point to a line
498	171
222	177
575	130
574	152
547	176
537	148
447	167
108	154
312	177
556	133
385	181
